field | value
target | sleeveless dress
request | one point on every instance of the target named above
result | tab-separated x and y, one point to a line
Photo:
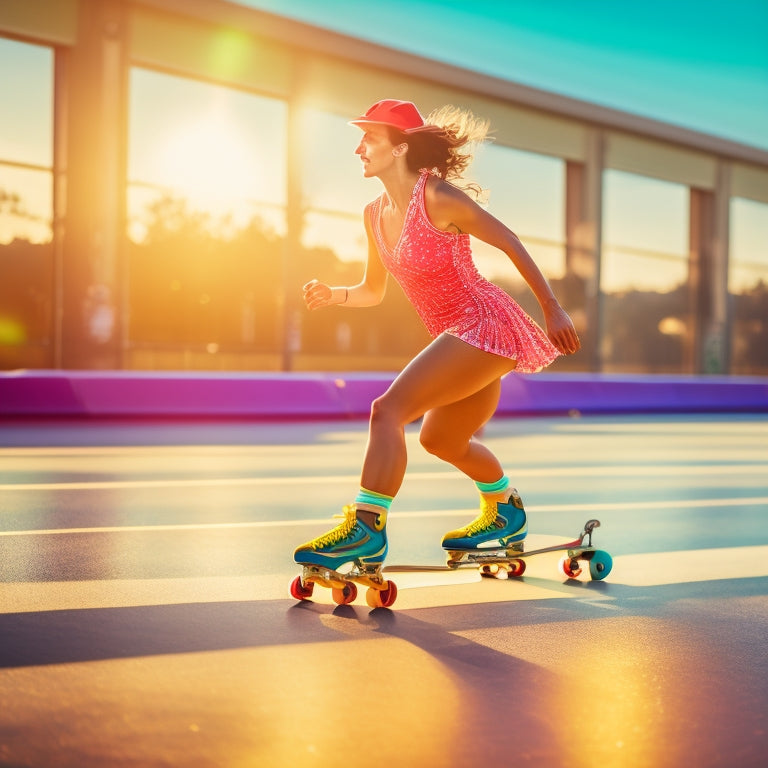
437	274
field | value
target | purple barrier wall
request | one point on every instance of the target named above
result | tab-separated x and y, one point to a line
595	393
348	395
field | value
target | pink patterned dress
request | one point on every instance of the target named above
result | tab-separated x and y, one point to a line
436	272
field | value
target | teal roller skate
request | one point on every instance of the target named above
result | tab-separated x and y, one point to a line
351	553
500	526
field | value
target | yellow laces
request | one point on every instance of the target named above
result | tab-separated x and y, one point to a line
484	520
340	532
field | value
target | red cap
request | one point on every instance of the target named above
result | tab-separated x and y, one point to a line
402	115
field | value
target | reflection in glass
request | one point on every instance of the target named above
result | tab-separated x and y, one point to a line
748	286
340	232
526	191
26	205
26	93
206	224
221	149
332	177
644	275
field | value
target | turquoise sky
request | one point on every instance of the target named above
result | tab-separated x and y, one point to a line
702	65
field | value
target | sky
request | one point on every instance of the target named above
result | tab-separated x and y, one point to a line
702	65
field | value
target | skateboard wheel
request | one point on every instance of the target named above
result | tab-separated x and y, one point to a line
301	591
382	598
570	567
503	570
600	565
344	595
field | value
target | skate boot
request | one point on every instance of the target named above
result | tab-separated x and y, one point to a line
352	541
351	553
500	526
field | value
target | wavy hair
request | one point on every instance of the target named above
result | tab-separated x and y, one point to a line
446	144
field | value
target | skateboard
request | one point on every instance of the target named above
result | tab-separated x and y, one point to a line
510	561
496	563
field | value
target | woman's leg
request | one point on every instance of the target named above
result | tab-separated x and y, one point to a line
448	372
448	432
448	379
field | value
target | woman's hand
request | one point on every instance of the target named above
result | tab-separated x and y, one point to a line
317	295
561	331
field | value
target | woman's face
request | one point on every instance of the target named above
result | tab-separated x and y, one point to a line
375	150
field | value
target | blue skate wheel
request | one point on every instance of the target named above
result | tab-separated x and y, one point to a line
600	565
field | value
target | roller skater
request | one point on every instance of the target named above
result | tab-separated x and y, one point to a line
419	232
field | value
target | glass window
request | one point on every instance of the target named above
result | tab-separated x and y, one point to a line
644	274
26	90
335	191
748	286
527	192
332	174
26	205
206	222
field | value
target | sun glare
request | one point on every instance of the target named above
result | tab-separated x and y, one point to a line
211	165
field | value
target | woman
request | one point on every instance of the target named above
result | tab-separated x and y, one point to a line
418	230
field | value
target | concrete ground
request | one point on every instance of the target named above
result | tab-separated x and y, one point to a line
145	618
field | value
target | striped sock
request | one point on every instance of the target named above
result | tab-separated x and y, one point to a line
371	497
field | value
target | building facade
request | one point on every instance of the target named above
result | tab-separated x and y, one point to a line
172	172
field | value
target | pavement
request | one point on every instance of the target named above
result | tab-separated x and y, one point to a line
145	618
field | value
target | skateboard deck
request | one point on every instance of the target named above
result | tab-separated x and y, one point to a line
497	563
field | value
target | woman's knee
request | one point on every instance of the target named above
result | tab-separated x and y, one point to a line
440	443
384	410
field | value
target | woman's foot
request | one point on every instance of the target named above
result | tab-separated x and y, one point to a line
499	524
361	538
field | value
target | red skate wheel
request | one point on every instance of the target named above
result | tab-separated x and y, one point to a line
382	598
301	591
570	567
517	568
345	595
